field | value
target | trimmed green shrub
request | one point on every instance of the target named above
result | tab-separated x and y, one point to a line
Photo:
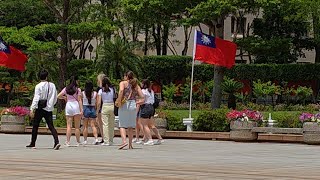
174	123
61	120
172	68
212	121
285	119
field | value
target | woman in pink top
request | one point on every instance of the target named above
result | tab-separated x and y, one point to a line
72	95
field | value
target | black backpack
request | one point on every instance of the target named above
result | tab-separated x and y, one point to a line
156	101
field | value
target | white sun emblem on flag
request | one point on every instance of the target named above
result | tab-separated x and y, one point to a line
205	40
3	47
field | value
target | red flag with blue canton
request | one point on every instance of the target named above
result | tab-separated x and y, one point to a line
11	57
213	50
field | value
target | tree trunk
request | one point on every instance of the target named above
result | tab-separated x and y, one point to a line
156	32
165	39
217	91
146	40
187	34
218	74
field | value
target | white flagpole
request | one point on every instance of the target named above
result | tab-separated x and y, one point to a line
192	71
189	121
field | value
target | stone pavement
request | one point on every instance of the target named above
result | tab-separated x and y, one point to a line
175	159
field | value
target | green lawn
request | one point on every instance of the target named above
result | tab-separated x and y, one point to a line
183	113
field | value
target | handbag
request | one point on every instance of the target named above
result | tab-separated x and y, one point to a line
120	102
42	103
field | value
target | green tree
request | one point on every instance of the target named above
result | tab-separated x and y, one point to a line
280	35
230	86
116	57
17	13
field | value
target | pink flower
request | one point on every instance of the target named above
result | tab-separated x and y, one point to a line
17	110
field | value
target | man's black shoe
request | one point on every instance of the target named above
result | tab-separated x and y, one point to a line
30	146
56	146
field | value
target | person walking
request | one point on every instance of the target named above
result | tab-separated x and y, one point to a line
130	95
72	95
89	101
107	95
45	97
147	111
99	118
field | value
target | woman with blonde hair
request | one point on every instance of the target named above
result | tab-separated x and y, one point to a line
132	95
99	116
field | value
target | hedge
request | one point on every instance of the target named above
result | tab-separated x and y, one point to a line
172	68
167	69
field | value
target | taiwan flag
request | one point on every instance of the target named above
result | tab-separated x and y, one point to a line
212	50
11	57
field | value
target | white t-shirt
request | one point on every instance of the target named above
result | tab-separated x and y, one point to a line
148	96
85	99
107	97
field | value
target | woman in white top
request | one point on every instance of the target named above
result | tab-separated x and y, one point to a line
72	95
147	110
107	95
89	101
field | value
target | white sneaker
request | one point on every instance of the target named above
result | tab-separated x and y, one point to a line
135	140
96	142
158	142
78	144
140	142
149	143
107	144
84	143
67	144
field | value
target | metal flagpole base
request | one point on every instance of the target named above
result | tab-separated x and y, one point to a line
188	122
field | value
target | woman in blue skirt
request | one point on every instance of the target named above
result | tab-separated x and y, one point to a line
130	91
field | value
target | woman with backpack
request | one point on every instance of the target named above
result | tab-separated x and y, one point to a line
147	112
72	95
107	95
89	101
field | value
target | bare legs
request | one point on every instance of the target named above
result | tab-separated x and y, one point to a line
154	128
139	128
130	134
76	119
146	123
85	128
123	134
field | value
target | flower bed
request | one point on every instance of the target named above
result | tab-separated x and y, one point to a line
13	119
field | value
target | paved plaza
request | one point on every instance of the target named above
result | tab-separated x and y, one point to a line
175	159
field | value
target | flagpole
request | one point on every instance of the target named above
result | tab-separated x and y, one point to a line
189	121
191	88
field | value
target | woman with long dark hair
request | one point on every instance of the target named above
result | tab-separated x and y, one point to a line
131	92
107	95
147	112
72	95
89	101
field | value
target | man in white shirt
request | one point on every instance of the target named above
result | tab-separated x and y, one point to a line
47	93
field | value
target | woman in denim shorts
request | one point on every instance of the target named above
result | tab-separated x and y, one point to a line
89	99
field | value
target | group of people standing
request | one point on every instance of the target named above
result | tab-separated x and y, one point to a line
136	110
